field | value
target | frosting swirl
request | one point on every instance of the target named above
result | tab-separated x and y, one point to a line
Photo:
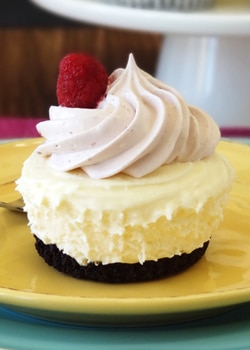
140	125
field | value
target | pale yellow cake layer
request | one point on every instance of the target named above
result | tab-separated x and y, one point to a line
173	210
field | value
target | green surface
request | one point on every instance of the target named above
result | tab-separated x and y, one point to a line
227	331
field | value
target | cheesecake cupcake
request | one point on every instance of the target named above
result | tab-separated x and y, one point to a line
126	187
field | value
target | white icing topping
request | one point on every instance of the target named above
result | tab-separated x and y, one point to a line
139	126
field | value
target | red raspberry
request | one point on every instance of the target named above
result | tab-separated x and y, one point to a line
82	81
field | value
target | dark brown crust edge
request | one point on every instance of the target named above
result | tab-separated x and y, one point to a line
118	272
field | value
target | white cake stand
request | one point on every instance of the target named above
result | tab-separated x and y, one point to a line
205	55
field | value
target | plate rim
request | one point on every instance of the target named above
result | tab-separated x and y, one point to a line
158	306
217	20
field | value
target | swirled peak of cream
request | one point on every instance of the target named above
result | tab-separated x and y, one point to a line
140	125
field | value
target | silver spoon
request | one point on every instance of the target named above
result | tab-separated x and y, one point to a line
16	205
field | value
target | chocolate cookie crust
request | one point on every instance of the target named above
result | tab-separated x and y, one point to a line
117	272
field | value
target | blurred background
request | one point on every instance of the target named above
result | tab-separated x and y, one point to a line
32	42
207	61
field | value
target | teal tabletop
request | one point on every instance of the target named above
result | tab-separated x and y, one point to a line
228	331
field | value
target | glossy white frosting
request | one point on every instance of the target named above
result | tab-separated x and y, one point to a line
139	126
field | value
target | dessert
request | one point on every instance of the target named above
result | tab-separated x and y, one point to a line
130	190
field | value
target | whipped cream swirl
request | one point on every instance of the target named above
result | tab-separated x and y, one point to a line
140	125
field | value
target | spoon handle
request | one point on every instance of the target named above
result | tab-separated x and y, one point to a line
16	205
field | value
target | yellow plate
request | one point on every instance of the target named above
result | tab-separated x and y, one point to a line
220	279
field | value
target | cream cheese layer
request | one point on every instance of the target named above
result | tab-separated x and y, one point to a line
172	210
140	125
